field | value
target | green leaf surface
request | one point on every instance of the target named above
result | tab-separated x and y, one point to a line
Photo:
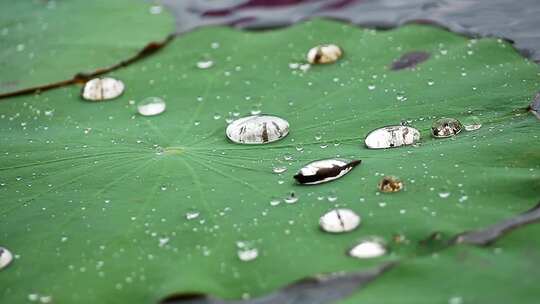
48	41
504	273
88	189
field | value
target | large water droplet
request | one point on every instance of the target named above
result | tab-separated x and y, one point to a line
367	249
472	123
325	170
391	137
446	127
326	53
5	257
390	184
102	89
151	106
339	220
257	129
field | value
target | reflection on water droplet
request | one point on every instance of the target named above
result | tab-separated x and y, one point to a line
430	82
325	170
5	257
391	137
339	220
151	106
163	241
102	89
367	249
257	129
400	96
326	53
371	87
279	170
291	198
390	184
163	187
191	215
205	64
445	127
472	123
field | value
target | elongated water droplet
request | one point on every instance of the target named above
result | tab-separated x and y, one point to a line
324	170
5	257
367	249
390	184
391	137
446	127
472	123
339	220
326	53
151	106
257	129
102	89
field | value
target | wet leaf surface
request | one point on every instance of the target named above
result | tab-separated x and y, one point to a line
115	205
48	41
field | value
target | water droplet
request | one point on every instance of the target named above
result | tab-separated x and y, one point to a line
367	249
391	137
390	184
257	129
217	116
102	89
163	187
291	198
5	257
472	123
163	241
430	82
400	96
339	220
156	9
371	87
455	300
191	215
326	53
325	170
274	202
151	106
246	251
205	64
279	169
446	127
444	194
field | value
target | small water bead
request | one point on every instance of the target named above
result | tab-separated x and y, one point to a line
390	184
325	170
430	82
339	221
326	53
191	215
444	194
274	202
205	64
446	127
217	116
279	169
5	258
106	88
291	198
257	129
368	249
246	251
391	137
151	106
472	123
371	87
